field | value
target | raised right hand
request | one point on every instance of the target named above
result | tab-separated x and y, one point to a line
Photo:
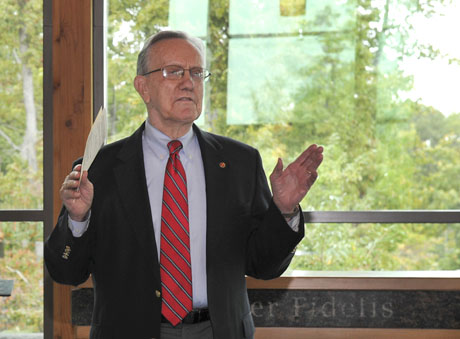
77	201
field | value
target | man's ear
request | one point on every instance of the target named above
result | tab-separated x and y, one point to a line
140	84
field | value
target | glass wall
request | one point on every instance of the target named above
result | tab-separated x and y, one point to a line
21	112
21	260
21	164
378	247
372	81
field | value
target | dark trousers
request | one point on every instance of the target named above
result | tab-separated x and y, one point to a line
202	330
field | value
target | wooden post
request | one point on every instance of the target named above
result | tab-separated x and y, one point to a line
72	114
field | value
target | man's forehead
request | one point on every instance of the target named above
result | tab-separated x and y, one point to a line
174	48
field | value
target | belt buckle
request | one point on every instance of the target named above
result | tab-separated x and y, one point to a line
194	316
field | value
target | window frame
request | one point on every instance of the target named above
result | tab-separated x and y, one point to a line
385	216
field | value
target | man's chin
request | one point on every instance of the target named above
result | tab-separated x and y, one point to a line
189	116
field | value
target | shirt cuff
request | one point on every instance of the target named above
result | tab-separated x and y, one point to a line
78	228
294	222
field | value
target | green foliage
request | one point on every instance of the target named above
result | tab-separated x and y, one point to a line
23	311
333	247
21	187
126	109
376	247
17	16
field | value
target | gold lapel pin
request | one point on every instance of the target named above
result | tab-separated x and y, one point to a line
222	164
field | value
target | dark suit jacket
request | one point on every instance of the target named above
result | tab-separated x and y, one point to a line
246	235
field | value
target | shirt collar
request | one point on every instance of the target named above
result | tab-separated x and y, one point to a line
159	141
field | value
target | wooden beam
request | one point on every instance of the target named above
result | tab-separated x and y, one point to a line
82	332
352	333
357	283
349	283
72	114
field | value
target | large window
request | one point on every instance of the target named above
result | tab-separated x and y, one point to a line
22	165
374	82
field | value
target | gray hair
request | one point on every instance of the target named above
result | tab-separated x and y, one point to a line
142	58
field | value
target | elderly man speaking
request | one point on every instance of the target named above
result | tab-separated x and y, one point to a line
169	221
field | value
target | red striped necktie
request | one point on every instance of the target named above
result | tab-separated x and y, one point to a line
175	264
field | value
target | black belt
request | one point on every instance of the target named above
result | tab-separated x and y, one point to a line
197	315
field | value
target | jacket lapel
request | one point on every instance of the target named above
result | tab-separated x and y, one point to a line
132	187
215	171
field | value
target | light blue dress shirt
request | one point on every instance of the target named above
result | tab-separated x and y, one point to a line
156	153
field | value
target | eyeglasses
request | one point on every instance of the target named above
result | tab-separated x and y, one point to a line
174	72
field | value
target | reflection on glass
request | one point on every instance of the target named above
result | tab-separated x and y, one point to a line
189	16
22	262
379	247
21	139
376	85
292	7
261	89
290	16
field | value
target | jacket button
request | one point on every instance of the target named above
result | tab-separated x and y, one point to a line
158	293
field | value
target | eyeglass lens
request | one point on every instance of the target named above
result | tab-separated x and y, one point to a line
177	72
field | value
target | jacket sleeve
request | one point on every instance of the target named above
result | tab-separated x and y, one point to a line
68	258
272	242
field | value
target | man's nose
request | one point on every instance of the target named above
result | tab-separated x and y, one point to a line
187	80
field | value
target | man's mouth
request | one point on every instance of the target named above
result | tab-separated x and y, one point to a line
185	99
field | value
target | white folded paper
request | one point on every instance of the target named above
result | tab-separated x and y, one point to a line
96	139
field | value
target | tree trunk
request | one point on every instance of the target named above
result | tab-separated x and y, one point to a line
30	137
217	42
